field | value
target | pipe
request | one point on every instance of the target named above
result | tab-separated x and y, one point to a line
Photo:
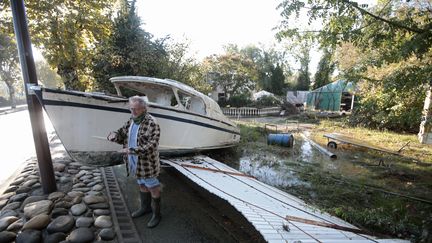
320	148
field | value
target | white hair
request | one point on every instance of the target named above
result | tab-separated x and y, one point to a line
138	99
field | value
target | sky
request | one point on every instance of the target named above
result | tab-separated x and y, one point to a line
210	24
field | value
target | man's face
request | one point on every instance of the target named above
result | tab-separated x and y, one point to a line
136	109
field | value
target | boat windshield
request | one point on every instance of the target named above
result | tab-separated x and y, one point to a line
192	103
160	95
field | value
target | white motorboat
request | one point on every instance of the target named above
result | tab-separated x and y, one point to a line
189	120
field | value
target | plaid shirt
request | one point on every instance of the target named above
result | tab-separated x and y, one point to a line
147	150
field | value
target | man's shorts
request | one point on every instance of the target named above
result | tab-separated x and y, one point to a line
148	182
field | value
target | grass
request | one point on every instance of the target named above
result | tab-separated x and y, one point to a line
362	193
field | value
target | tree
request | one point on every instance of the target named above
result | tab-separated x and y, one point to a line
180	66
303	79
9	60
67	32
46	76
393	42
326	67
129	50
271	66
234	74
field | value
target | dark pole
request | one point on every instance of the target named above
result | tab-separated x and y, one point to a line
34	107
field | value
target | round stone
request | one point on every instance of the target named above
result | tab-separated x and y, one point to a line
12	206
63	204
36	208
6	221
7	195
103	221
32	199
8	212
11	189
55	238
81	235
99	206
30	183
75	194
97	187
84	222
23	189
3	202
78	209
15	226
38	222
56	195
29	236
59	212
6	236
92	199
99	212
107	234
59	167
61	224
65	179
18	197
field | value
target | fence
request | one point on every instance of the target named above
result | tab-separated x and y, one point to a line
250	111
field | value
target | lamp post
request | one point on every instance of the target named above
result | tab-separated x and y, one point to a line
34	107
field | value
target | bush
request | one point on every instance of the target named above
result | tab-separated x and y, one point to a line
239	100
267	101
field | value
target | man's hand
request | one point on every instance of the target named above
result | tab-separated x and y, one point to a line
111	136
128	151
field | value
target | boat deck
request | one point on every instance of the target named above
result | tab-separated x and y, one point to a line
277	215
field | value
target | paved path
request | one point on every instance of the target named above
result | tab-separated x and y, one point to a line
16	143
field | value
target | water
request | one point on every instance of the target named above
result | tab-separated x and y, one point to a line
280	166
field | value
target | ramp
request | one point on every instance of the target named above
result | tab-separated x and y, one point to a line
278	216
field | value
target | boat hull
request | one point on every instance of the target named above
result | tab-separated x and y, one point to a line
83	121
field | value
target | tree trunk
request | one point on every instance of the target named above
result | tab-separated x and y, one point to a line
425	133
11	88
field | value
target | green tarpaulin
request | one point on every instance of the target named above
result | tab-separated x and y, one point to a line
329	97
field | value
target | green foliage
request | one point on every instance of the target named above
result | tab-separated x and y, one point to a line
67	35
9	70
326	67
386	48
240	100
129	51
232	72
267	101
48	77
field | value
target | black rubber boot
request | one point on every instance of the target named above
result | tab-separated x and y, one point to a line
156	217
145	205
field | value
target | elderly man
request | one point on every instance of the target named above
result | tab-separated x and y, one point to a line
140	139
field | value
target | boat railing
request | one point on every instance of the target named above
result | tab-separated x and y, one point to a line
250	111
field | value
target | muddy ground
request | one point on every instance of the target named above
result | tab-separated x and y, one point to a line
189	214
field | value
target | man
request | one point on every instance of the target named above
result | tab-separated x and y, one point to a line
140	139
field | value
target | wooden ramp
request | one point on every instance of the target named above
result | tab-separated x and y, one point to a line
278	216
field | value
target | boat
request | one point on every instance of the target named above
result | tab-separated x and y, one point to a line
189	120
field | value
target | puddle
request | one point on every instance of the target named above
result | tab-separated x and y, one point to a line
275	175
280	166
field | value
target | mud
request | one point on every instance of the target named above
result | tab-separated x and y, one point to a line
189	214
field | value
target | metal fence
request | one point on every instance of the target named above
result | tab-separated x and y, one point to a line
251	112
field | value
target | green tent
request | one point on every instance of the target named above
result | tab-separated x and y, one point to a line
336	96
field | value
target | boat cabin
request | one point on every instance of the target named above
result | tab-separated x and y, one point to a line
167	93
